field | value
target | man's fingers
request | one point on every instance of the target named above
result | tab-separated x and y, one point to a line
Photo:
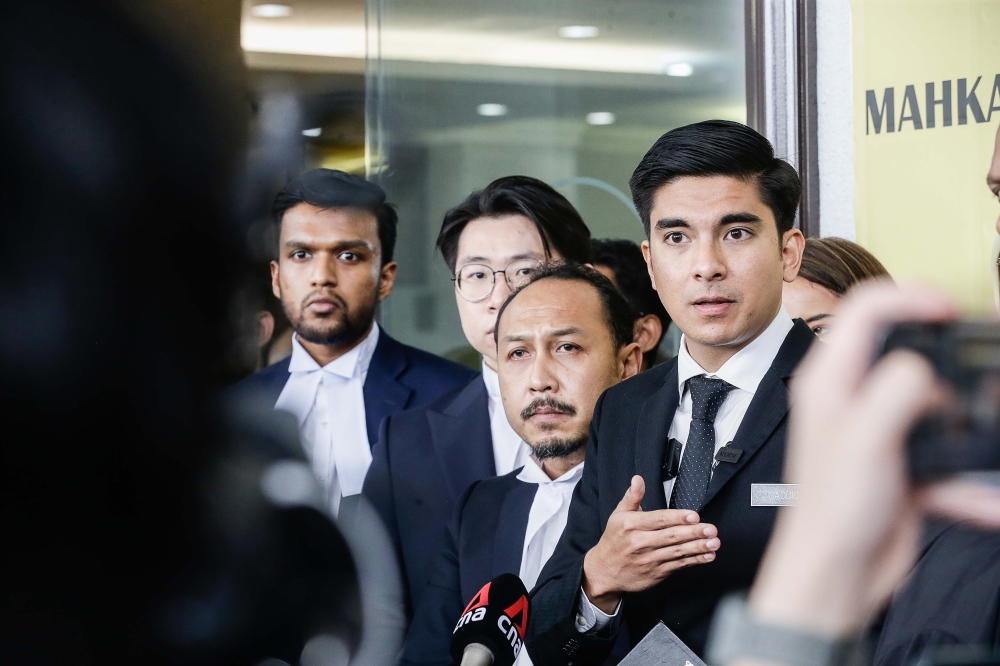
961	499
900	389
662	519
685	550
840	365
668	568
655	539
633	496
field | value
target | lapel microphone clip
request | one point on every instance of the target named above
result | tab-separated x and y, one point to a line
671	460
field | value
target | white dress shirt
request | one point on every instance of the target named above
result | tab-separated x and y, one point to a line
509	450
745	370
546	521
329	404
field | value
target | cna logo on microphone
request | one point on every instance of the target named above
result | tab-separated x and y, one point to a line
512	622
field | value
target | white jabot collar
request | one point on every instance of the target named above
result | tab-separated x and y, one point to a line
532	472
305	374
747	367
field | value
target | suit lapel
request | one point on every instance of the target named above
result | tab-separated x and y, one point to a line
384	394
651	433
766	411
768	408
275	381
512	526
462	438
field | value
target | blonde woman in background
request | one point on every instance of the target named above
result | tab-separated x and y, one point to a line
830	267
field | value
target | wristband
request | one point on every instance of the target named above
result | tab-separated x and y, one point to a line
737	635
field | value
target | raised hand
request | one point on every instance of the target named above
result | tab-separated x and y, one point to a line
641	548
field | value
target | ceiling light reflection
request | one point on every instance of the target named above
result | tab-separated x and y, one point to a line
579	31
600	118
679	69
315	131
469	48
492	109
271	10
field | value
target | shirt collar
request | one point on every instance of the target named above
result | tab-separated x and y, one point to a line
354	362
532	472
747	367
492	380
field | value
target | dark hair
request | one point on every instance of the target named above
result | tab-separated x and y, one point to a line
837	264
558	223
625	260
328	188
617	313
718	148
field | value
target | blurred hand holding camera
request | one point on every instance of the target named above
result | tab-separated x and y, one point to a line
837	557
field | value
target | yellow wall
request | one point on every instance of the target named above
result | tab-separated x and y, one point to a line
921	203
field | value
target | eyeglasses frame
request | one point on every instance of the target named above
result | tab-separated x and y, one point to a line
493	278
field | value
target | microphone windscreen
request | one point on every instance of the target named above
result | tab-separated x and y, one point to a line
496	618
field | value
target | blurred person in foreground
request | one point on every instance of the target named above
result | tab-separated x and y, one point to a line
830	267
953	594
426	458
642	545
836	558
562	340
345	375
621	261
137	523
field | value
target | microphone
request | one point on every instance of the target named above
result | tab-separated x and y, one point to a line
491	629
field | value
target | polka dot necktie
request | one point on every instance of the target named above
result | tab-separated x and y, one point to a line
707	395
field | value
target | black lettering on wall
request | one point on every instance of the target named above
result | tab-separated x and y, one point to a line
969	102
994	103
945	103
910	100
877	113
880	114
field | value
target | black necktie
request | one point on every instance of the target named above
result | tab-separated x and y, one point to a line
707	396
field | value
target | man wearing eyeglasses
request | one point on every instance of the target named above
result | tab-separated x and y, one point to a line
426	457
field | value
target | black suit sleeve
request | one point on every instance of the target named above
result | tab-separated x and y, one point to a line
377	489
951	598
552	636
428	642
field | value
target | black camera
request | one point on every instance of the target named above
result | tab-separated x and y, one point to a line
965	435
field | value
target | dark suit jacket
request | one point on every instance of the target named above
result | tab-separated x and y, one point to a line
485	539
951	598
399	377
628	436
424	460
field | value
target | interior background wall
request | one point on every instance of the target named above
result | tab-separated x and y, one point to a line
921	203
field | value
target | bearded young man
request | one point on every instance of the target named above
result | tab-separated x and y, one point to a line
426	457
560	342
345	374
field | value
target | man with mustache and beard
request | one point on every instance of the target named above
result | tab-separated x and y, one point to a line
426	457
345	374
561	341
670	514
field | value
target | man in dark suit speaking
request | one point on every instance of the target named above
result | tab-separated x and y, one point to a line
648	538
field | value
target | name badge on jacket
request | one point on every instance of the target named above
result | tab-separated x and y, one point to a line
774	494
